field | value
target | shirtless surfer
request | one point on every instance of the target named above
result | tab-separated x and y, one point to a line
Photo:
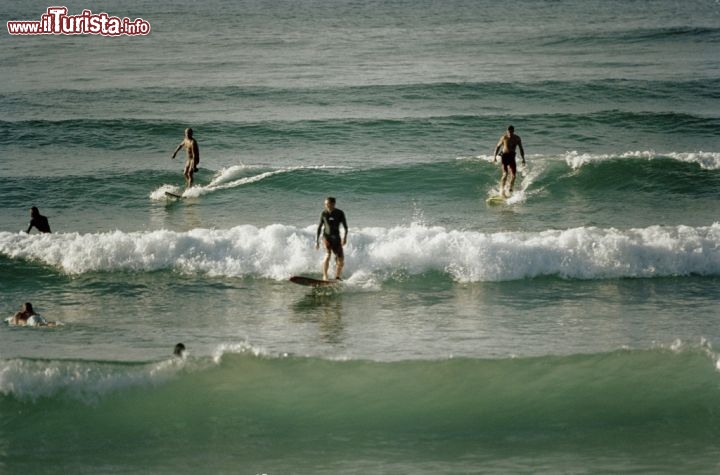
193	156
508	142
330	220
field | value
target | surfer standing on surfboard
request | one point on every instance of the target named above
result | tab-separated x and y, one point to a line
193	156
330	220
508	142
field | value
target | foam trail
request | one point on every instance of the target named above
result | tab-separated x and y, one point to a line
526	176
278	251
226	178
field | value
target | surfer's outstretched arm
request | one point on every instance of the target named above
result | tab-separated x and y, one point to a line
182	144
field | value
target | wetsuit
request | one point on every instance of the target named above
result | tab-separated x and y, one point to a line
330	222
40	222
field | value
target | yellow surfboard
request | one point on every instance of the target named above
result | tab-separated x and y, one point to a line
496	200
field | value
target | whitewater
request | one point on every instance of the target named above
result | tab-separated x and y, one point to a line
279	251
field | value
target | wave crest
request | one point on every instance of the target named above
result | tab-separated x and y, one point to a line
706	160
278	251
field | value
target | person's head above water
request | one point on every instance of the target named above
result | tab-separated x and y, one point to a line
189	133
179	350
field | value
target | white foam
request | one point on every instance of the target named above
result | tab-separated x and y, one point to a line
278	251
576	159
679	346
86	381
159	194
230	177
89	381
238	348
706	160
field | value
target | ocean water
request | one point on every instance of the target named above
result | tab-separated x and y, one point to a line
573	329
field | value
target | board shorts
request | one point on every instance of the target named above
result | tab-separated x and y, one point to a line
334	244
508	161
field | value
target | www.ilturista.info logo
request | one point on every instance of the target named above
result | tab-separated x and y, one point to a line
57	22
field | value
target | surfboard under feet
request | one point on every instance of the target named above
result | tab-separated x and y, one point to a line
496	199
310	282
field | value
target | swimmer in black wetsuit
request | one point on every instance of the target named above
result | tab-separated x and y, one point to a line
330	220
38	221
508	142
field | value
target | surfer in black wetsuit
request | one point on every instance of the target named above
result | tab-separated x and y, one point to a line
508	142
38	221
330	220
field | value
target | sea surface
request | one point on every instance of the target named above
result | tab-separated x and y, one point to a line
573	329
